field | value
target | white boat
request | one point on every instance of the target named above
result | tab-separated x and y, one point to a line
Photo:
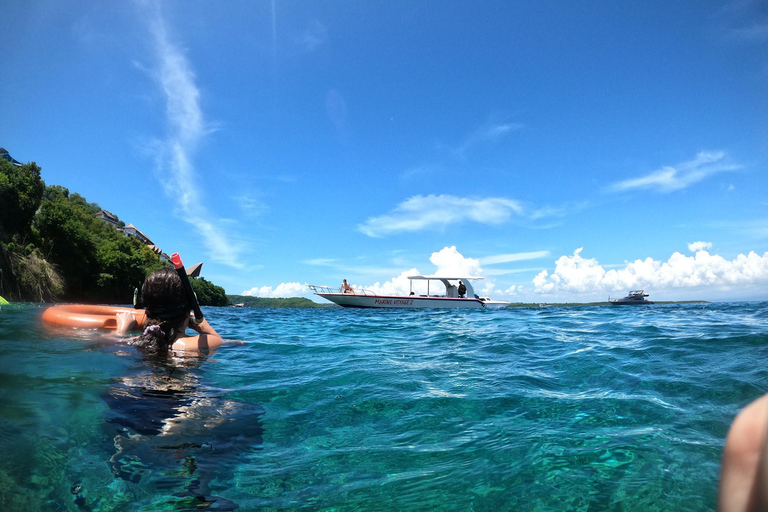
449	296
635	298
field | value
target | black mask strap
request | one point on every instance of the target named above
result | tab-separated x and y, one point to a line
168	312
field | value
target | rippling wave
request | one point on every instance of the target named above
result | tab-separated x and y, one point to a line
582	408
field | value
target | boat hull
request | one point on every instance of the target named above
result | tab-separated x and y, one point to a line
620	302
350	300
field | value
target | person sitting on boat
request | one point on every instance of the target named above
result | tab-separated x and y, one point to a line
168	317
462	289
346	288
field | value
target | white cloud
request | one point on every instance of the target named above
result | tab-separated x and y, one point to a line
440	211
186	130
283	290
669	179
513	290
575	274
450	262
399	285
698	246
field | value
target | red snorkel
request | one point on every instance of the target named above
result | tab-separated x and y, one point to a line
176	260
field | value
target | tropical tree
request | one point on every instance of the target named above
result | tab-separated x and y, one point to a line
21	190
208	294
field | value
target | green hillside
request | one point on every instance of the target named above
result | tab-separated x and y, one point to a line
54	247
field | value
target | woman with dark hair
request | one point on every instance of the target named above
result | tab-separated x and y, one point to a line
168	317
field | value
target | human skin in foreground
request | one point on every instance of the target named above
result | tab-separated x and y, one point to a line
744	470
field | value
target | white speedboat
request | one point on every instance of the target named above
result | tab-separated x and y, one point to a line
448	296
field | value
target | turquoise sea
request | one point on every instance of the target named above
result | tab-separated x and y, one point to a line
582	408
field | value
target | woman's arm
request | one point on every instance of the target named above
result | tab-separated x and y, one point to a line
125	322
207	338
203	328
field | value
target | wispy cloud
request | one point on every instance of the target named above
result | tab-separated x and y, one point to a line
336	108
510	258
669	179
486	135
756	229
187	128
418	171
85	31
314	36
549	211
747	20
504	272
321	262
250	205
440	211
757	32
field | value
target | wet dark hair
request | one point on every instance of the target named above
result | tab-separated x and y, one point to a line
167	306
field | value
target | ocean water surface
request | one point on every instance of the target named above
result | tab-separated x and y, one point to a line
582	408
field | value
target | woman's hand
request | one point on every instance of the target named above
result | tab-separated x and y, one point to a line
125	322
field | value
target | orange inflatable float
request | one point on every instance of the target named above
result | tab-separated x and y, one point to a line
89	317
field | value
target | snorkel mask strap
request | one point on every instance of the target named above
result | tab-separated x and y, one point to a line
176	260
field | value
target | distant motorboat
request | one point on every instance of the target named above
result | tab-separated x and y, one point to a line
448	298
635	298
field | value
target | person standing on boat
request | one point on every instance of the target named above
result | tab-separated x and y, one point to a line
346	288
462	289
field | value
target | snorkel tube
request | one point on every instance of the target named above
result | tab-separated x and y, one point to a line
176	260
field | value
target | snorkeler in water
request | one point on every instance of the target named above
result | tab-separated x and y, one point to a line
168	307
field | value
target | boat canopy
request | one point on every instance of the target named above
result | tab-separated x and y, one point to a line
451	290
440	278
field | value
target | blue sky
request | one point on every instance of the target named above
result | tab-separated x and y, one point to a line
562	150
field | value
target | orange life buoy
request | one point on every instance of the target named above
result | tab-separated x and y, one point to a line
89	317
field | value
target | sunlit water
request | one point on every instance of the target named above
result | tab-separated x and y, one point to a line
590	408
